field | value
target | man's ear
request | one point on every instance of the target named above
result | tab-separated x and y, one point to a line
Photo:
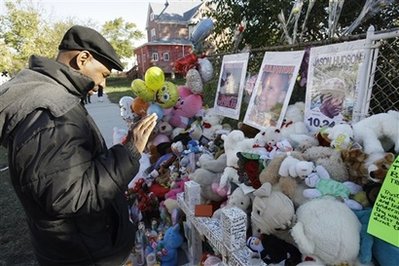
83	58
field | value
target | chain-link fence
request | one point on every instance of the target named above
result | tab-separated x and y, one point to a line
385	88
384	74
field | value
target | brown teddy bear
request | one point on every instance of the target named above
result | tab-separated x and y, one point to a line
291	187
330	159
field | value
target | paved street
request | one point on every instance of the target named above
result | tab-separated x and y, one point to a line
106	115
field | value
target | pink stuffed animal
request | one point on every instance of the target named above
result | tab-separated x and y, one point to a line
187	106
179	187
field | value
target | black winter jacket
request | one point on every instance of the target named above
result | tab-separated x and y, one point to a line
70	185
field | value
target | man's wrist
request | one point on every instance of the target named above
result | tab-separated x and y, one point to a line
133	150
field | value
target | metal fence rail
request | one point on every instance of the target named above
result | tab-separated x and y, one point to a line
383	77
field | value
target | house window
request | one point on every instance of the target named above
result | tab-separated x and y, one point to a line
166	56
153	33
152	16
155	57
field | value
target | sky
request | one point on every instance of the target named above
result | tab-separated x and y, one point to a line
98	11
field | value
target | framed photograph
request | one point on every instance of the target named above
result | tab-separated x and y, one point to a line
273	88
333	84
231	85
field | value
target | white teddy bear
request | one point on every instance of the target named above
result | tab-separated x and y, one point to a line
329	230
234	142
370	130
236	199
295	168
341	136
211	124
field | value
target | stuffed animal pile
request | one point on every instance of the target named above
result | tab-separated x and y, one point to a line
307	196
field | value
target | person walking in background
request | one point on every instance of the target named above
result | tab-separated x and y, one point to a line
100	93
70	184
87	98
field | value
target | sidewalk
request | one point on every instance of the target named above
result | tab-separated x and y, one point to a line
106	115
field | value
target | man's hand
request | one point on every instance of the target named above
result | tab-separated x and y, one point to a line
140	132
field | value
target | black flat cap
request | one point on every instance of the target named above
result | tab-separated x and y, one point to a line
82	38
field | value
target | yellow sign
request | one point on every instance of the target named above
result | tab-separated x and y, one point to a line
384	219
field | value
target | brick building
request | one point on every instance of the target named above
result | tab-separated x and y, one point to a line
168	31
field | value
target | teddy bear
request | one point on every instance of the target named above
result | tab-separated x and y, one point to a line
186	107
341	136
299	141
234	142
272	211
209	173
125	104
164	128
167	247
330	159
293	122
327	229
293	167
322	185
368	131
236	199
292	187
211	123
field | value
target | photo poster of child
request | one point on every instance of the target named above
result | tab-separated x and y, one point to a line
231	85
273	89
333	84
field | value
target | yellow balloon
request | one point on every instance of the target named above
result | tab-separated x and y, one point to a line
167	96
154	78
140	89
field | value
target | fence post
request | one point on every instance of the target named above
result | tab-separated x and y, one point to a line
359	111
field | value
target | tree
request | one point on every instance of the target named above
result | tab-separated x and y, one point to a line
263	19
121	35
24	32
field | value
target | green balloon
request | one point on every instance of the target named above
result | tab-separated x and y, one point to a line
140	89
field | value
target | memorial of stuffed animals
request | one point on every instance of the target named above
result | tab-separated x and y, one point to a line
307	182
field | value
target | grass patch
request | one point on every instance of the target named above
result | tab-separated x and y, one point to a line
117	87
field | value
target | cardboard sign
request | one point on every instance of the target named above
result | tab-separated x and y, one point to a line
384	219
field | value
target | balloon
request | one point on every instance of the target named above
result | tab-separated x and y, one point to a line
194	81
167	96
154	78
155	108
139	106
202	30
140	89
205	69
183	64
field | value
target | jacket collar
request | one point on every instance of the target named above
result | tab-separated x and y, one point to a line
75	82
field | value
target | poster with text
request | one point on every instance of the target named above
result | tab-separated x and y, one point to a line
273	89
384	218
333	84
231	85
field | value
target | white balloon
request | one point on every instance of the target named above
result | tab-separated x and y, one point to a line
205	69
194	81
